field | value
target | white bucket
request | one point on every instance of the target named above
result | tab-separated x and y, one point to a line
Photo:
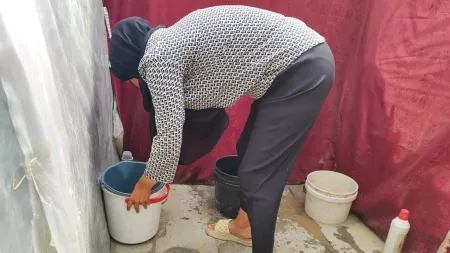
329	196
129	227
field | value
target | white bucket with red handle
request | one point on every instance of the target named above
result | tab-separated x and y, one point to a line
117	184
130	227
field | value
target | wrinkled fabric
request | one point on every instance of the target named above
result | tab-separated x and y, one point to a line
56	126
128	37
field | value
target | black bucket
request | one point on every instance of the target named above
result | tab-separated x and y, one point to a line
228	189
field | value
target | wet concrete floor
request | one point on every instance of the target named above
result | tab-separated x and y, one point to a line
191	207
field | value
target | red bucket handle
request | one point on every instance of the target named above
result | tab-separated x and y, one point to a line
156	200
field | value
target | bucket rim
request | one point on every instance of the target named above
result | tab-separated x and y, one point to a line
219	171
158	186
222	175
151	200
308	181
156	200
333	198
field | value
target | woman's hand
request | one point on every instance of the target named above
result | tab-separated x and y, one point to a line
141	193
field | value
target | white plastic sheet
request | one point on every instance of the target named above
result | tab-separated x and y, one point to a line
56	126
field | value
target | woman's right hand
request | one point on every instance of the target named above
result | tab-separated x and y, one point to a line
141	193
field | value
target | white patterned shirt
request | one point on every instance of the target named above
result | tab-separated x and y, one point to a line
210	59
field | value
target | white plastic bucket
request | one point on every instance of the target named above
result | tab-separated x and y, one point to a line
130	227
329	196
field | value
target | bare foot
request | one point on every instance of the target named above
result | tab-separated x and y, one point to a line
243	232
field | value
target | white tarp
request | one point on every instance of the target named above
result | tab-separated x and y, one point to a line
56	126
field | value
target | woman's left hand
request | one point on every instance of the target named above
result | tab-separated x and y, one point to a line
141	193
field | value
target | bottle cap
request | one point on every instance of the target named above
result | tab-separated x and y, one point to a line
404	214
127	156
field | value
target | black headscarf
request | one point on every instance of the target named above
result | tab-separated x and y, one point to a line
128	41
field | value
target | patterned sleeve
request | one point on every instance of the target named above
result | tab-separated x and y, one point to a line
165	81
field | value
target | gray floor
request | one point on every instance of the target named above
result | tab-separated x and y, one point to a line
190	207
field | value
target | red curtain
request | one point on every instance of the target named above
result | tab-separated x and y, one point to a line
385	122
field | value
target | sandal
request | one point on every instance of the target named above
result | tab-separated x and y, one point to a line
222	232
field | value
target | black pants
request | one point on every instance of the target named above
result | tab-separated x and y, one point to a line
276	129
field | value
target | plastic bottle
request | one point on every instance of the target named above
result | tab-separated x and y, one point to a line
397	233
127	156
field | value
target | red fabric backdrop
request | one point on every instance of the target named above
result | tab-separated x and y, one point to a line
385	123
